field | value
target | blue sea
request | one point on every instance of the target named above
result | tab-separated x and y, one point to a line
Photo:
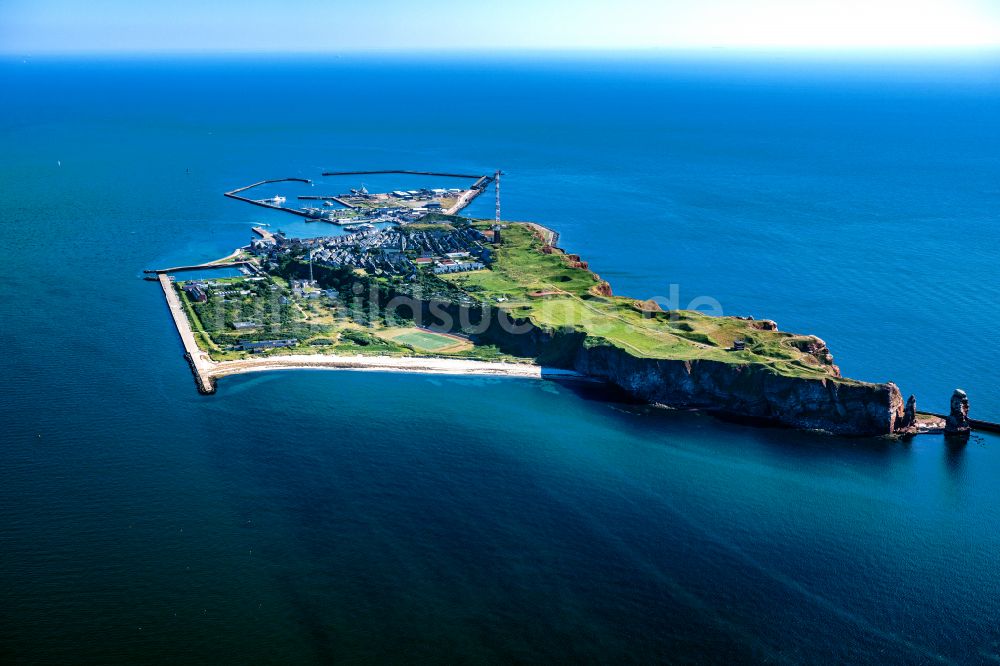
319	517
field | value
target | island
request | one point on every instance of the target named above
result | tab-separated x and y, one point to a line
412	285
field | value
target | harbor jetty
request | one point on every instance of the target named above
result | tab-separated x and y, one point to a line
345	204
975	424
464	201
198	360
235	194
478	186
263	233
985	426
200	267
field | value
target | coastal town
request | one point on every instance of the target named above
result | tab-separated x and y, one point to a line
298	295
401	251
278	302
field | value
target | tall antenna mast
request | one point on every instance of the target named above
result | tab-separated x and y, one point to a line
311	268
497	179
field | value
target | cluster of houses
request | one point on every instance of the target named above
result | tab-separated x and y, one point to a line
397	251
262	345
456	262
391	214
428	195
397	215
198	290
309	289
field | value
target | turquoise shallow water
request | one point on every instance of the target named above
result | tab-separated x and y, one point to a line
319	516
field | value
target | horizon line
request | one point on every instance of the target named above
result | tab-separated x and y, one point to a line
823	51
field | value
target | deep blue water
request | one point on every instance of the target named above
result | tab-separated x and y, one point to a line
322	516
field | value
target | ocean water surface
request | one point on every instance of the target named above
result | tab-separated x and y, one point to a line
336	516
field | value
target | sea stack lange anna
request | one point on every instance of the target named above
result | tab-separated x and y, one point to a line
956	425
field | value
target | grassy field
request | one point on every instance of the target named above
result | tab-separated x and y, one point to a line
522	269
426	340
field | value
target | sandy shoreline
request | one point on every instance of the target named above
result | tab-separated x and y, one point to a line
440	366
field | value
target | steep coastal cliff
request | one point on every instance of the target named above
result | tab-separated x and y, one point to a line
751	391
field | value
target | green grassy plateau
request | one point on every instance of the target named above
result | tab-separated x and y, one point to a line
554	292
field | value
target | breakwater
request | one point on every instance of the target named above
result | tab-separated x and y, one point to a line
977	424
342	202
467	197
200	267
235	194
197	360
478	187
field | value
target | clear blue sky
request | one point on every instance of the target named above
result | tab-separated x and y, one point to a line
73	26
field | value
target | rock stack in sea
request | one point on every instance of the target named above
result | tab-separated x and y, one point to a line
909	414
956	425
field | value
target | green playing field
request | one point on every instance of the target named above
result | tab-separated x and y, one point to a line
425	340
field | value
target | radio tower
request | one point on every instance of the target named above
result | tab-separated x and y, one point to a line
311	281
496	177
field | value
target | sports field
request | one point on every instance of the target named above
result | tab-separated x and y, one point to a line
426	340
